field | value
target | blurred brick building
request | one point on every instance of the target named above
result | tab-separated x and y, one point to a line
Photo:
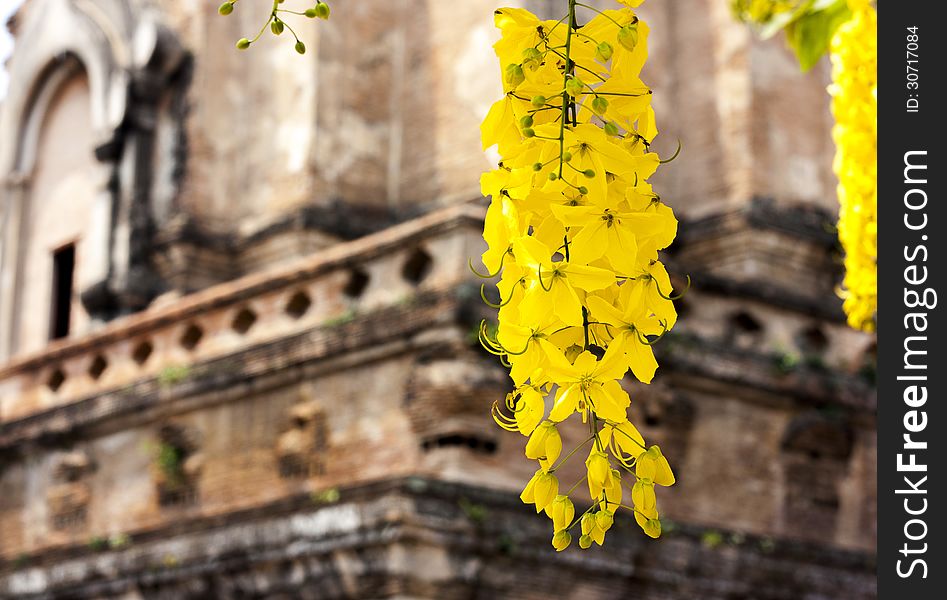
235	318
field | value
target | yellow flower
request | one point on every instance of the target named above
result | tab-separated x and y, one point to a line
561	540
573	230
561	511
556	284
590	384
541	490
630	329
544	444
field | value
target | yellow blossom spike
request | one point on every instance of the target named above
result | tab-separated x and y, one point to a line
573	232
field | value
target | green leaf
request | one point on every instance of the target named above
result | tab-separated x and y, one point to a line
810	35
781	21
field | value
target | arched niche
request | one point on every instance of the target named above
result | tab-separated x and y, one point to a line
118	57
66	217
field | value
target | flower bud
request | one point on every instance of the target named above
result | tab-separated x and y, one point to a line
611	129
599	105
604	520
652	528
300	47
583	190
514	75
226	8
276	27
574	86
553	176
532	57
628	36
322	10
561	511
311	13
585	542
538	101
528	132
243	43
545	490
538	166
561	540
588	523
603	52
566	156
526	121
589	173
597	462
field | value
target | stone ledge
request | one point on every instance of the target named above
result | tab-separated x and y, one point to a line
376	523
369	337
689	358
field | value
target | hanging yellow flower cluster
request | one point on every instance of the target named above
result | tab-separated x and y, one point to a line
848	30
854	53
574	230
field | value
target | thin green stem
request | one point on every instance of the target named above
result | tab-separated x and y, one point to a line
567	72
569	455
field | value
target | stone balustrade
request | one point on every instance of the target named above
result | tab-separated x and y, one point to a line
330	287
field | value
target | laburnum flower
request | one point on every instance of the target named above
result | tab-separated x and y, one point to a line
631	329
541	490
590	384
558	284
573	231
854	54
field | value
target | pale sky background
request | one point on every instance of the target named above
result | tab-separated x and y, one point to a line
7	7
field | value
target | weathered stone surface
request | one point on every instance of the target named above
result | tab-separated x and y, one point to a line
271	388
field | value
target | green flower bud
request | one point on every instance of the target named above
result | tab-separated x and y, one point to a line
538	101
532	54
604	520
528	132
611	128
574	86
566	156
226	8
583	190
599	105
276	27
311	13
561	540
526	121
532	57
603	52
322	10
300	47
538	166
515	75
628	36
553	176
243	43
652	528
585	542
589	173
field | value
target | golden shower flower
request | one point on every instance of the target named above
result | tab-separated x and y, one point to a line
573	231
854	54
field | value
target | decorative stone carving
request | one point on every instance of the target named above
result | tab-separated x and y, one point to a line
69	495
177	466
300	450
816	450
